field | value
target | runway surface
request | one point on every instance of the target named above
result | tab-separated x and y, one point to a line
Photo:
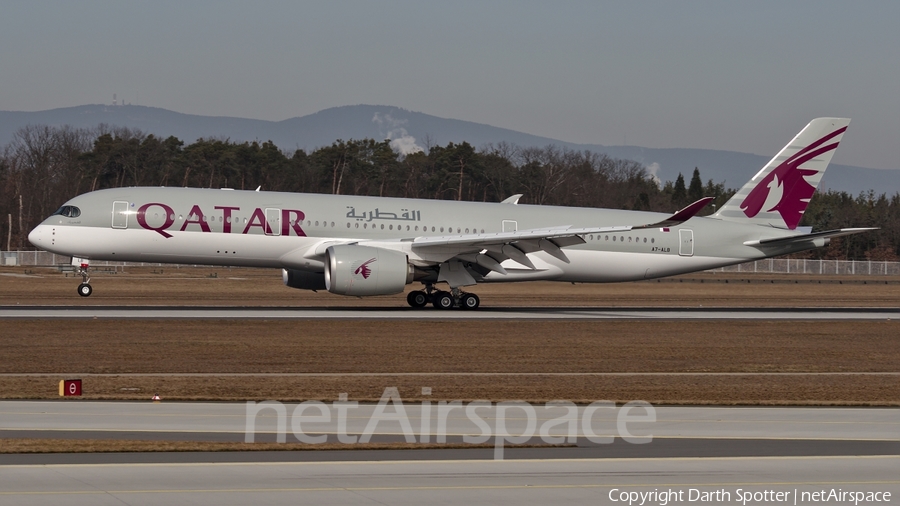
518	313
520	482
670	421
720	453
600	430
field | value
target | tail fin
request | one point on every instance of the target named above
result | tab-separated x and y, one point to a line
779	193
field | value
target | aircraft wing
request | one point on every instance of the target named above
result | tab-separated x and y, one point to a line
489	250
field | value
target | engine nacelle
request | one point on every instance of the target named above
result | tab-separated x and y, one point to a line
303	280
364	270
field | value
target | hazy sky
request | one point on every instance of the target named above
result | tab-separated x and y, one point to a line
741	76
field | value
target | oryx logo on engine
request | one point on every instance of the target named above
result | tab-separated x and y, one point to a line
363	269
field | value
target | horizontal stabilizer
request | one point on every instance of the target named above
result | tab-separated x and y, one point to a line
779	241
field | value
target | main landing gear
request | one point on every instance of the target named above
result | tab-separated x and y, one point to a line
84	289
441	299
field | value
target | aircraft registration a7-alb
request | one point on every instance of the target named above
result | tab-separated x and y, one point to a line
362	246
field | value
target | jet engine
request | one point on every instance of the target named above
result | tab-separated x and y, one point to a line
303	280
363	270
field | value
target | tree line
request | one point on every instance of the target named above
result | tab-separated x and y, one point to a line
44	166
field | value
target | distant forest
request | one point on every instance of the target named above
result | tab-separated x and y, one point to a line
45	166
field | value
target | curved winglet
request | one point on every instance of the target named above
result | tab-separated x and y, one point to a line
681	216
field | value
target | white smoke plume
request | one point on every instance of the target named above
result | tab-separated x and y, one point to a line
653	174
392	130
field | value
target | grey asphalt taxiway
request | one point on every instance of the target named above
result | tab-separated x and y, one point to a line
522	482
692	454
539	313
601	430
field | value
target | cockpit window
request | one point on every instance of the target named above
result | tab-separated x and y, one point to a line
68	212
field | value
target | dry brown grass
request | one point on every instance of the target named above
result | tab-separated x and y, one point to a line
361	358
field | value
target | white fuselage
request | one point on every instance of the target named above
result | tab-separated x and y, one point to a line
284	230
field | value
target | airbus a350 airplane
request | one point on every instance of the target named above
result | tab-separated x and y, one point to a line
362	246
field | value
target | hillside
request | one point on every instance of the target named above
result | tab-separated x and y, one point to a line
411	130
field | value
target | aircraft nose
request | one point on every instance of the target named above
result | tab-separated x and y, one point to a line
35	237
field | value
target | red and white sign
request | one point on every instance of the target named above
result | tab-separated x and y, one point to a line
71	387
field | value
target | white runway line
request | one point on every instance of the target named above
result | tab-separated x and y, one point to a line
427	374
548	313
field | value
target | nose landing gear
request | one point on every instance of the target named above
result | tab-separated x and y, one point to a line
84	289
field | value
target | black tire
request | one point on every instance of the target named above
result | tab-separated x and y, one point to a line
417	299
85	290
443	300
469	301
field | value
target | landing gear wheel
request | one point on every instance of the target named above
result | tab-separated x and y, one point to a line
417	299
443	300
85	290
469	301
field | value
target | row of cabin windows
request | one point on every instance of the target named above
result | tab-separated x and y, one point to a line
619	238
309	223
459	230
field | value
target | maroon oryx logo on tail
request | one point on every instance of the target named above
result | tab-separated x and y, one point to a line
785	189
363	269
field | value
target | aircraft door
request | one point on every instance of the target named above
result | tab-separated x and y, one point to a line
686	246
510	226
273	221
120	214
